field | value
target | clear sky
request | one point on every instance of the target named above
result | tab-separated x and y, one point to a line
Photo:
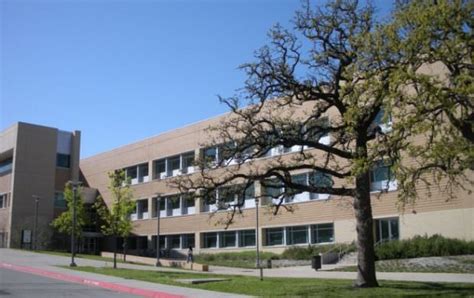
121	71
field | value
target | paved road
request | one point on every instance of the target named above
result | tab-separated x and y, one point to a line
19	284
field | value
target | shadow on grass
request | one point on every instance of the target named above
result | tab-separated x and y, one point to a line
432	288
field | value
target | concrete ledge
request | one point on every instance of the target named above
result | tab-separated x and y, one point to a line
163	262
196	281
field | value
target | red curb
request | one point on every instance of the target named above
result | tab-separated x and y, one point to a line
90	282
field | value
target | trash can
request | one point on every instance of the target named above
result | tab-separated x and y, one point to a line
269	263
316	262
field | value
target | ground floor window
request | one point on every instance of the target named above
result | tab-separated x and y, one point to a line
274	236
227	239
322	233
188	240
297	235
209	240
386	229
246	238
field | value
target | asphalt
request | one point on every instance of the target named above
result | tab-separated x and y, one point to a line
19	284
51	263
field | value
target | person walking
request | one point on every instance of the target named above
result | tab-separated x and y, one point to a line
190	255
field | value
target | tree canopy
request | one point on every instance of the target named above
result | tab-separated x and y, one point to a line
63	223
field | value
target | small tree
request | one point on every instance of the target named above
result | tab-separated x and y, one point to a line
63	223
116	217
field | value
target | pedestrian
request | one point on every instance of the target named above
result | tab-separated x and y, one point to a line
190	255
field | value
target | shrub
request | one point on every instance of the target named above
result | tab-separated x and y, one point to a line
423	246
306	252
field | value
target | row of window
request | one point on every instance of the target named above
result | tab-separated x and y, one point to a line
243	238
320	233
385	229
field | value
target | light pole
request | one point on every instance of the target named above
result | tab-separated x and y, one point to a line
158	211
74	185
257	240
35	226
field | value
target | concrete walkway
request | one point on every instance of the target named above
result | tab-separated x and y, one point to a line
35	259
46	265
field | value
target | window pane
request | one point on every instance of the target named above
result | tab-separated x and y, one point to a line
188	240
323	233
228	239
210	154
173	163
143	170
6	165
227	194
160	166
162	203
273	188
174	202
63	160
320	179
394	229
189	200
247	238
174	241
274	236
188	159
210	240
131	172
59	200
297	235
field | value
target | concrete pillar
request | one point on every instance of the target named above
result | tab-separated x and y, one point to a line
151	170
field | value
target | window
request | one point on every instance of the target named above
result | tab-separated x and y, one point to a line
188	162
322	233
209	240
189	200
3	201
131	173
273	188
162	203
6	166
174	202
188	240
160	168
381	177
59	200
210	156
384	121
174	164
227	239
63	160
246	238
174	241
386	229
297	235
274	236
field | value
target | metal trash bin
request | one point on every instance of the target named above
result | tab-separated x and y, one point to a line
316	262
269	263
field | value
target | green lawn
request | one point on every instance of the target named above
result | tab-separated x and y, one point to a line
291	286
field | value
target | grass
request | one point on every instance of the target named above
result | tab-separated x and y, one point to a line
271	287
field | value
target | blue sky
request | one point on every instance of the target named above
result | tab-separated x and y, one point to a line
121	71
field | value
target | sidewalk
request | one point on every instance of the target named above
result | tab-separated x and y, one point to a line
46	265
35	259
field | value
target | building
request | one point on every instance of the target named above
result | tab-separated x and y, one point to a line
35	163
316	218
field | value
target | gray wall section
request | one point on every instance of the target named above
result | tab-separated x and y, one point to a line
34	174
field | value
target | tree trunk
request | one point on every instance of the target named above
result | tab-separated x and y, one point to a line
115	252
365	234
